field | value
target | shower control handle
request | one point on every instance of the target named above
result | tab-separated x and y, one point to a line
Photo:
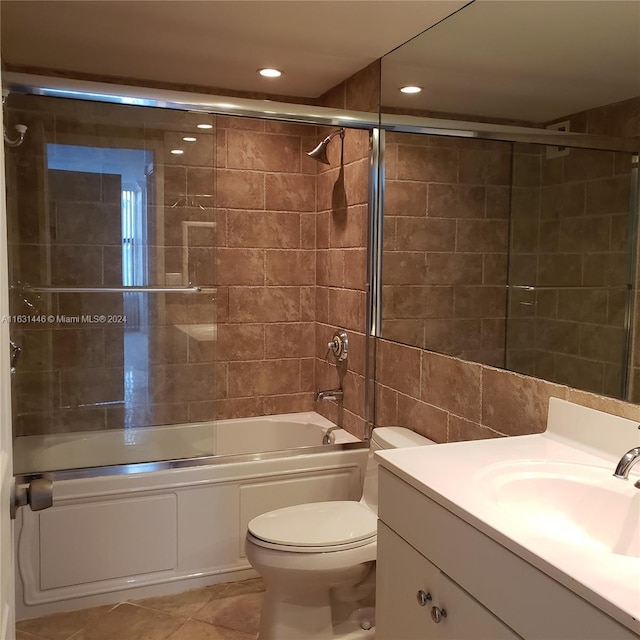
339	346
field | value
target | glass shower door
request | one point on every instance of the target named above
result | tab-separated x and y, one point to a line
112	284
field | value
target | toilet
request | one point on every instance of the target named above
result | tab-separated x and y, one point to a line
318	559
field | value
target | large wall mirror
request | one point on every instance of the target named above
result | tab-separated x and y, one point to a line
519	255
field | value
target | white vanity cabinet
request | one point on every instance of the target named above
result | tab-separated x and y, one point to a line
487	591
416	601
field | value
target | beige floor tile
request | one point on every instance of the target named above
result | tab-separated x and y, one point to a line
61	626
129	622
22	635
241	612
254	585
196	630
184	604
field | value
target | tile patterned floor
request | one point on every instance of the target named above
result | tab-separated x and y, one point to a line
219	612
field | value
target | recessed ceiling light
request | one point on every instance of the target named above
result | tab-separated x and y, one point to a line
205	126
177	152
411	88
270	73
189	139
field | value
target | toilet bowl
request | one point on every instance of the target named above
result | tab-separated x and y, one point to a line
318	559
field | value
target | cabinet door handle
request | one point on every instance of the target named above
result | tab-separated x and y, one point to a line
437	614
423	597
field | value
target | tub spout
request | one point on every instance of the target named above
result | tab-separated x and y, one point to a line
331	394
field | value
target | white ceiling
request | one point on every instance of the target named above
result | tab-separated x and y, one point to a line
533	60
526	60
214	43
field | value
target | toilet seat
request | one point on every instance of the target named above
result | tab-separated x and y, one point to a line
315	527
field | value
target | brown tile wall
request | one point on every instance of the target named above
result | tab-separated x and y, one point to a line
341	240
266	267
620	119
450	399
569	236
446	229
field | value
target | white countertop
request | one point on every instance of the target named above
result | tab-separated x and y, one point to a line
457	475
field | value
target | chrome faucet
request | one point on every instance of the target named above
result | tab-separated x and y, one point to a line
626	462
331	394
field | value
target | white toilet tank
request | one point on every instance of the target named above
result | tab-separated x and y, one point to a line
386	438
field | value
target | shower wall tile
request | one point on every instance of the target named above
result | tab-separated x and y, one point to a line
347	308
427	164
581	216
290	340
239	266
289	403
264	304
289	267
341	241
267	265
240	342
240	189
322	304
307	375
264	378
239	408
308	231
445	239
266	229
425	234
290	192
307	300
454	201
348	228
263	152
407	198
355	265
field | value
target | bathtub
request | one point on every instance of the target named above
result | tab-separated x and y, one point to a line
149	444
143	529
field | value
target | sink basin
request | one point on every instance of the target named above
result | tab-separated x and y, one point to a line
577	504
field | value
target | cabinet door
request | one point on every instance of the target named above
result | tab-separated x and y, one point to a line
466	617
401	572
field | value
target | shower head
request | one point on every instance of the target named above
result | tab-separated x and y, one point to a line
320	152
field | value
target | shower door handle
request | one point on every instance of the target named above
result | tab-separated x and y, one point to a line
38	494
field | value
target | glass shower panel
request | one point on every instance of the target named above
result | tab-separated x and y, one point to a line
570	261
112	236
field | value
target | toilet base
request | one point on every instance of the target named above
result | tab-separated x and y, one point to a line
313	596
309	613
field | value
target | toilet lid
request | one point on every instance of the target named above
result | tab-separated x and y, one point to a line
316	524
